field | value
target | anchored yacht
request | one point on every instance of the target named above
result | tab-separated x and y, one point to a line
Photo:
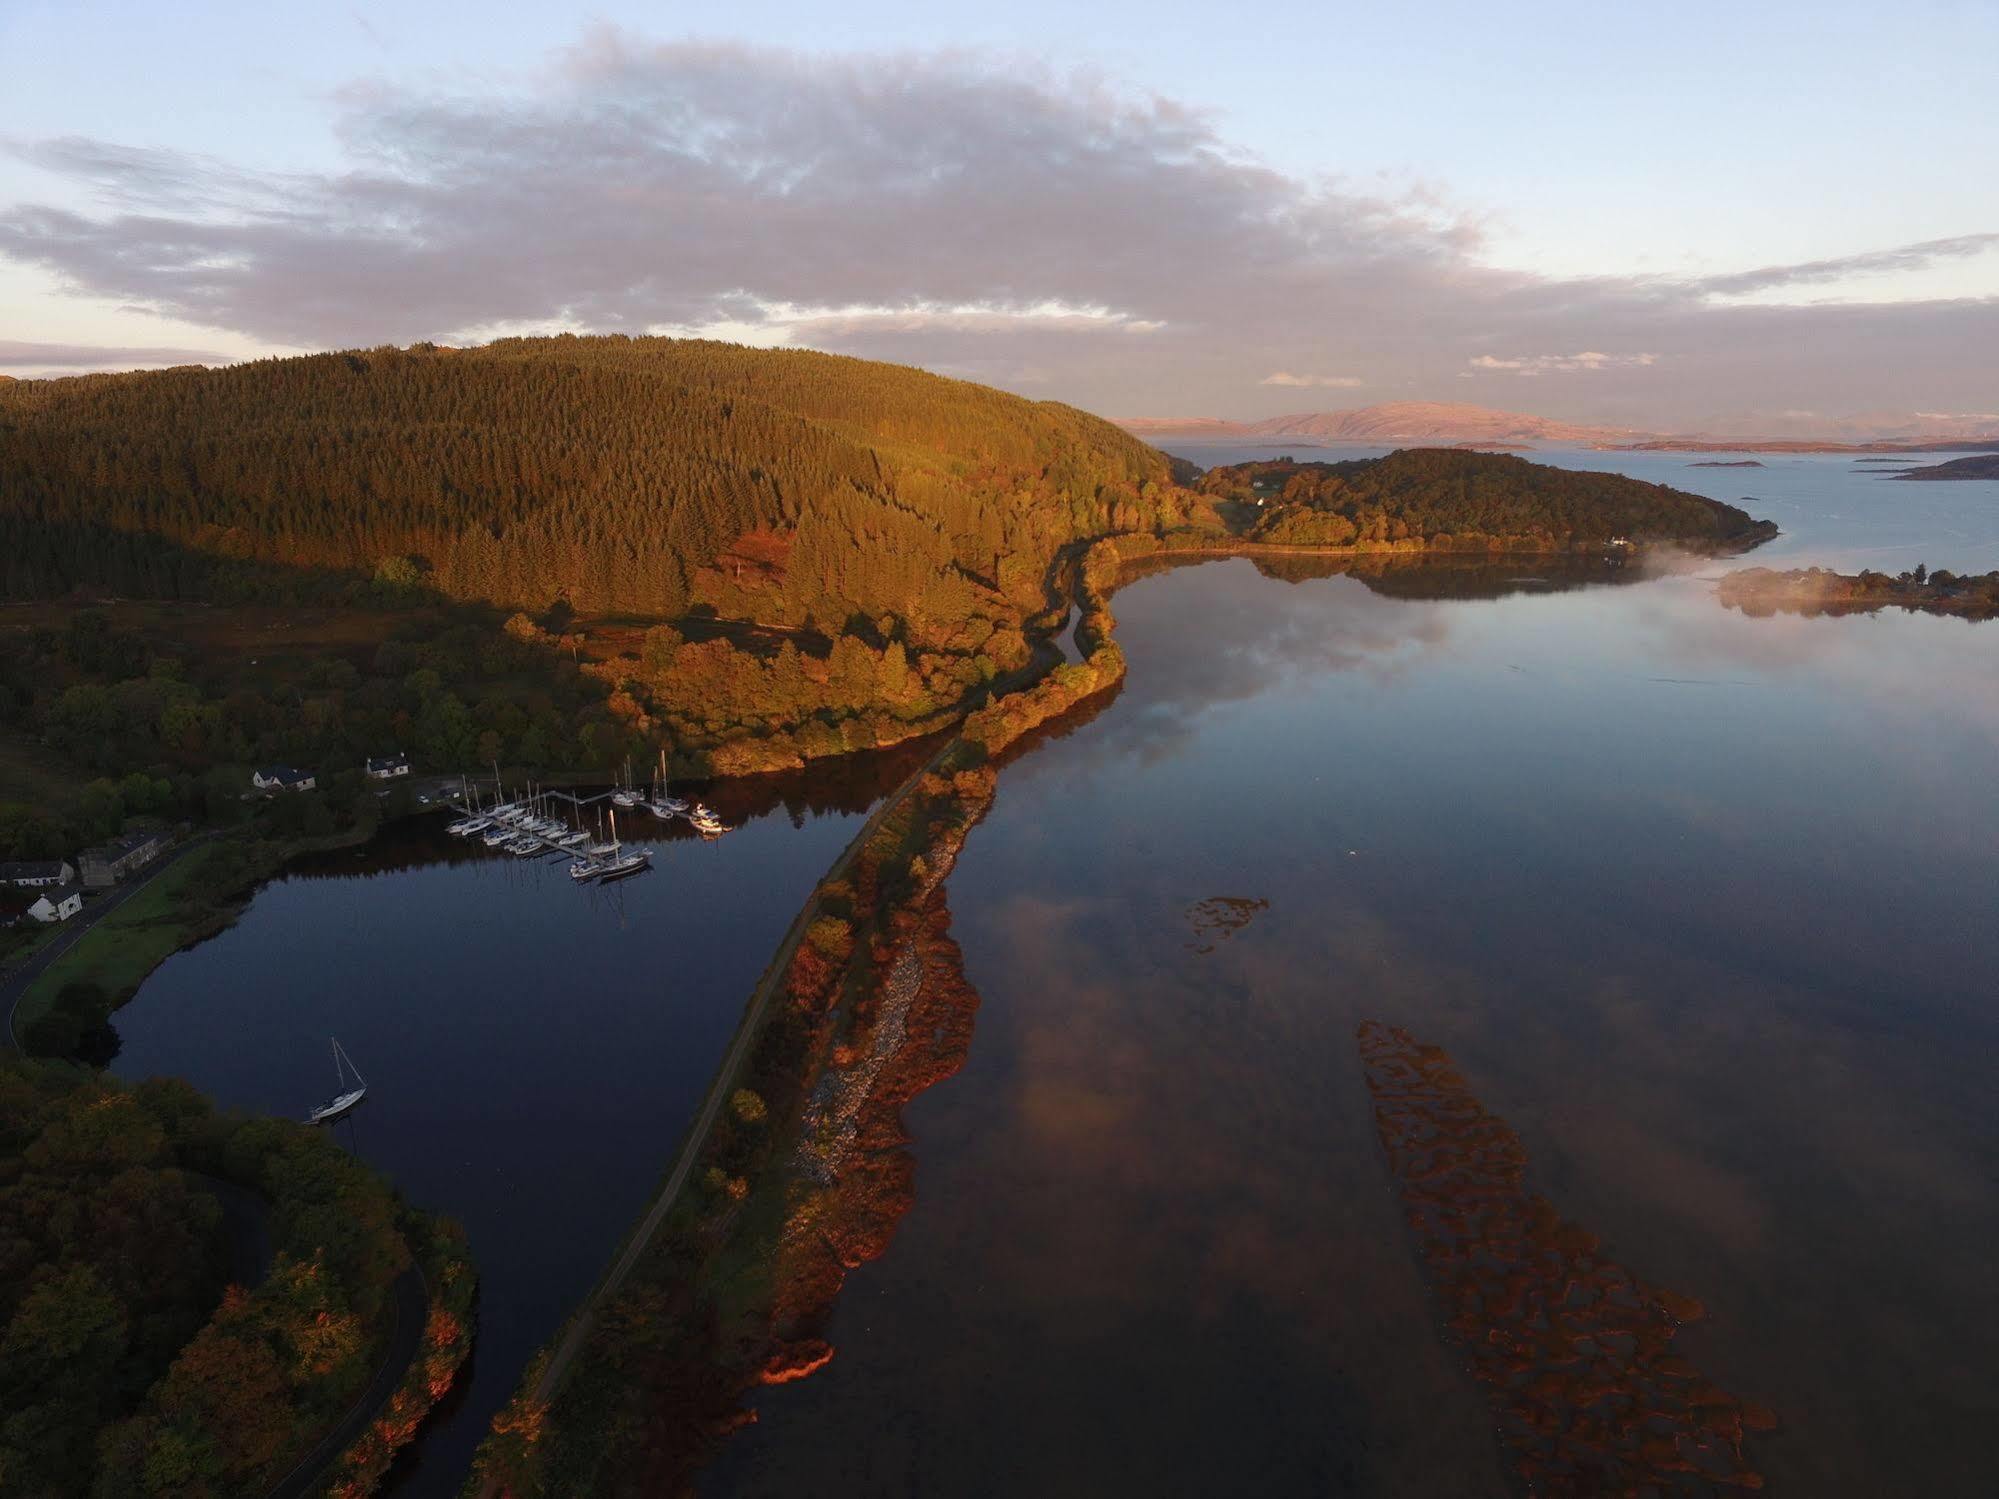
347	1097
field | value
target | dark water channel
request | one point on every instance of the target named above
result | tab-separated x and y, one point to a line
533	1050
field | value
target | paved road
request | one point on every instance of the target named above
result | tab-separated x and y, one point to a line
411	1304
17	980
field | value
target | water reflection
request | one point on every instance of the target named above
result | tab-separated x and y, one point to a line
1708	931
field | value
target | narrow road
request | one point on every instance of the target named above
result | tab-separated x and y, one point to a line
746	1034
578	1331
17	981
411	1304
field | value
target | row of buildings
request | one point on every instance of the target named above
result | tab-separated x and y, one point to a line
51	890
271	778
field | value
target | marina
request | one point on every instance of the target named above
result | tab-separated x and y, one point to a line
531	825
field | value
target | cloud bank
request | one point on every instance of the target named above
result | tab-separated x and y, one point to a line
961	211
1313	382
1584	363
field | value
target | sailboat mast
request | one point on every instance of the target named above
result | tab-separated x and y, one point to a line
339	1056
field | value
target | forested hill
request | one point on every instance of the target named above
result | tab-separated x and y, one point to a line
1444	499
641	476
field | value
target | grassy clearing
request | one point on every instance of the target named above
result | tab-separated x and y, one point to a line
118	953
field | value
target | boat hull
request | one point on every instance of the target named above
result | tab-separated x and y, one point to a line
326	1113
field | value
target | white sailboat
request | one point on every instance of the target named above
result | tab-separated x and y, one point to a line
663	804
473	821
622	864
624	795
347	1097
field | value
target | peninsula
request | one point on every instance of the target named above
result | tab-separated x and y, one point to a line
1448	500
1983	466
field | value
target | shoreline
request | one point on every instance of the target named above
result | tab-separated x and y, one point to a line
1082	580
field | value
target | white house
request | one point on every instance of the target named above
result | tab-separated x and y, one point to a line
36	874
282	778
59	904
388	767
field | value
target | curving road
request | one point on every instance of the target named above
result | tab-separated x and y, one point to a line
410	1301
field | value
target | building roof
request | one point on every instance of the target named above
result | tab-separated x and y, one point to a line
286	774
123	844
15	904
32	869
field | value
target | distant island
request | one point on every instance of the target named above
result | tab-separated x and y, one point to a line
1808	445
1727	463
1984	466
1814	590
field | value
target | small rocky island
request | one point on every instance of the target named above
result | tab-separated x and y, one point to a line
1818	590
1728	463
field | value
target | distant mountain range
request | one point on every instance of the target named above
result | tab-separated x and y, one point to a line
1449	423
1394	421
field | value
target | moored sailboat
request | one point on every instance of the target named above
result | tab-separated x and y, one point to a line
347	1097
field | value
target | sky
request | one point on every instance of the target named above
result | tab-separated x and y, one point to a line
1775	217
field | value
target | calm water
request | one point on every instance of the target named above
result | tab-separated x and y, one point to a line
1702	905
533	1051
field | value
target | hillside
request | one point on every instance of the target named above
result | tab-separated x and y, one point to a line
641	476
744	557
1447	500
1390	422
